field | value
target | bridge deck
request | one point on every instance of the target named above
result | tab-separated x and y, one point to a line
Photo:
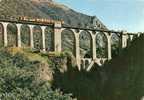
26	22
63	26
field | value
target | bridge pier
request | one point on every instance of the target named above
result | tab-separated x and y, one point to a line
131	37
78	60
124	38
31	36
57	36
93	47
43	38
109	47
4	24
18	35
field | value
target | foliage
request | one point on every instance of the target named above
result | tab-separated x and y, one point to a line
18	80
119	79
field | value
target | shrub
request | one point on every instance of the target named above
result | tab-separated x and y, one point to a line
18	80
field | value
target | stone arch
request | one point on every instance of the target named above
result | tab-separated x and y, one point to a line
25	36
101	45
68	41
37	36
12	34
1	35
85	39
49	40
115	44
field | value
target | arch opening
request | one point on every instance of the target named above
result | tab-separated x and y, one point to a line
12	35
49	40
101	45
85	44
37	36
115	44
25	36
68	41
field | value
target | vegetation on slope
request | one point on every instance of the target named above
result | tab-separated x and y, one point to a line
125	74
20	77
120	79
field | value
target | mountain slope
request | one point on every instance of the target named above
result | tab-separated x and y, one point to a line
45	9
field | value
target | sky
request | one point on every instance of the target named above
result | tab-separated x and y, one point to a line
115	14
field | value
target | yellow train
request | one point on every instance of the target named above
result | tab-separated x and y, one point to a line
39	20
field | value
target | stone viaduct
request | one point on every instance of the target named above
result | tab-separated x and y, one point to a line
58	29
